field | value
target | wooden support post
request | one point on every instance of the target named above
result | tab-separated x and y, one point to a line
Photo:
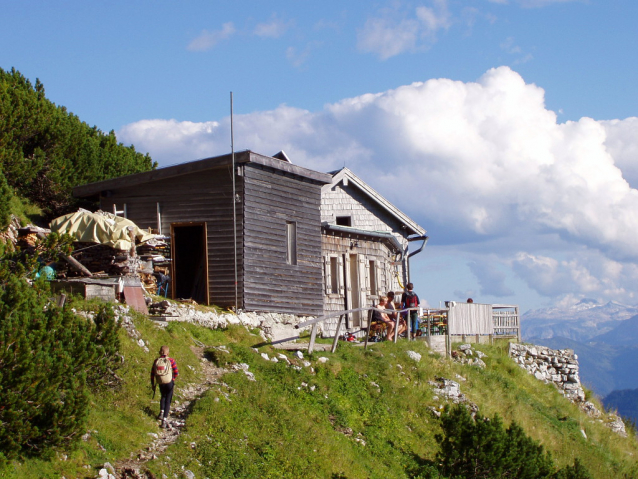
491	339
365	345
313	336
518	323
478	338
334	343
408	323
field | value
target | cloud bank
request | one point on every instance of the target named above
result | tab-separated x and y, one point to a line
484	164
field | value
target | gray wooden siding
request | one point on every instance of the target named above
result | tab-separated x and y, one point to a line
366	214
205	196
270	200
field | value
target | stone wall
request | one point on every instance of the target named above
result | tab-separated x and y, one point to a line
559	367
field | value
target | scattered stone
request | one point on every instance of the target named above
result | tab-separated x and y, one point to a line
414	355
104	474
265	356
283	357
465	355
322	359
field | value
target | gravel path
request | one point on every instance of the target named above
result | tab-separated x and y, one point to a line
134	468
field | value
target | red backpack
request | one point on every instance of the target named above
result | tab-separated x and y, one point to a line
411	300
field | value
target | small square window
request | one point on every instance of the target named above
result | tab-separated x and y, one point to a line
344	221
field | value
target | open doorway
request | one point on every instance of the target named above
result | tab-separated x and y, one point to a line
190	261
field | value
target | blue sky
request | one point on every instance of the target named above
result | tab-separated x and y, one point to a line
506	128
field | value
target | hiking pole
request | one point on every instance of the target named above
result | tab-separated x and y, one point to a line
154	386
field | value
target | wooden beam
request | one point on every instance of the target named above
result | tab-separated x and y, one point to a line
76	265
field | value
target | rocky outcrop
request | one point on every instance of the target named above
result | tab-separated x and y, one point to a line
466	355
560	367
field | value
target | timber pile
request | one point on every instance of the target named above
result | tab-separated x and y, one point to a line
99	258
29	236
149	282
159	252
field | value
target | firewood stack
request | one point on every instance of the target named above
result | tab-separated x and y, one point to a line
99	258
159	252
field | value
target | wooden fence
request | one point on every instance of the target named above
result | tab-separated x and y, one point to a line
463	320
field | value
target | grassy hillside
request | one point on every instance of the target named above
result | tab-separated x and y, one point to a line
361	414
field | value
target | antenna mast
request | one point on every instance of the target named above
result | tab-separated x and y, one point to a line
232	150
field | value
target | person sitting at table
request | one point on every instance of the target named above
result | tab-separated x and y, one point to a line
393	316
378	315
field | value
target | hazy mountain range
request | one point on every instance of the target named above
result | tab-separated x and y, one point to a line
605	338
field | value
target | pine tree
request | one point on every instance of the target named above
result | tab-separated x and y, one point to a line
49	358
481	447
45	151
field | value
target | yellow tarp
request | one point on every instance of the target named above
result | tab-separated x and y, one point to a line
100	227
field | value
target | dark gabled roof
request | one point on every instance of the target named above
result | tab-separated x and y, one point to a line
242	157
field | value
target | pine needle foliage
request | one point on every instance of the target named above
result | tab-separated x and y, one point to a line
482	448
45	150
49	357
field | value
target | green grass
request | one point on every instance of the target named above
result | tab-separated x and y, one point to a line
362	414
26	211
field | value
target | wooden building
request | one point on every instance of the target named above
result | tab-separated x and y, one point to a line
257	250
365	247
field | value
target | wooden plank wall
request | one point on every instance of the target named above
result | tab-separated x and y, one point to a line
271	198
198	197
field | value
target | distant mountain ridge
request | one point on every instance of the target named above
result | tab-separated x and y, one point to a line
581	322
604	336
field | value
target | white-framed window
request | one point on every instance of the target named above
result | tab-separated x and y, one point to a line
333	274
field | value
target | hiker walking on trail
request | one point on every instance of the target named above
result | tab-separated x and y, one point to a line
164	372
409	299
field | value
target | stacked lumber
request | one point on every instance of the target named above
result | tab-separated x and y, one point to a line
99	258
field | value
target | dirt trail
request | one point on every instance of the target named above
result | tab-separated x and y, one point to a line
134	468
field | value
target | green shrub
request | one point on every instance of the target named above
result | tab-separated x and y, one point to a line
48	359
483	448
5	202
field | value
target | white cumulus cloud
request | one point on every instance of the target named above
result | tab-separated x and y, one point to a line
484	164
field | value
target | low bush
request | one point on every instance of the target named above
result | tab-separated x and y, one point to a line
49	357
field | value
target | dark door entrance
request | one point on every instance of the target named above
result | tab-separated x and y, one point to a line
190	261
